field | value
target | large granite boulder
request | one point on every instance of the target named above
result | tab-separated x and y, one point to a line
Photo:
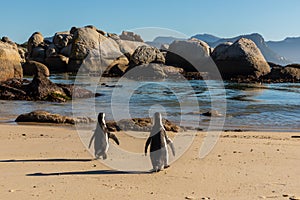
10	62
85	39
242	58
191	55
41	116
92	51
31	68
127	35
145	55
35	40
36	47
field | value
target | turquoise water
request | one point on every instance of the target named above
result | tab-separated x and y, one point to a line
244	106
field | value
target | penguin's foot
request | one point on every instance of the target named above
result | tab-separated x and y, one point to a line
166	166
155	170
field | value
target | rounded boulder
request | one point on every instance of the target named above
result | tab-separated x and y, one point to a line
242	58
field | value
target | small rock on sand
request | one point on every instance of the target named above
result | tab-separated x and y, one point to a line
189	197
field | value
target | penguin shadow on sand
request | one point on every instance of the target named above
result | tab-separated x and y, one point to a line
90	172
159	141
101	138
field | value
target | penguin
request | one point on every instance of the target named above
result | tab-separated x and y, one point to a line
158	141
100	137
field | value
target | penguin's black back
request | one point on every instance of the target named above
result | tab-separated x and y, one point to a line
157	139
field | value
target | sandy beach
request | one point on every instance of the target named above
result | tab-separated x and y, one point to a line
50	162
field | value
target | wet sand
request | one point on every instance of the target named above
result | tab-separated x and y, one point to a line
50	162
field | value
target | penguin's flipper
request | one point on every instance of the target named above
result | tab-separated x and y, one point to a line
92	138
147	144
170	142
114	137
172	148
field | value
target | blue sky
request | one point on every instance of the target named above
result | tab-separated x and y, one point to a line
274	19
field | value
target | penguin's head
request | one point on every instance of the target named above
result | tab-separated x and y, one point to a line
101	119
157	119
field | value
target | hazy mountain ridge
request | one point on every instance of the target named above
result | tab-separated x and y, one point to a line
289	48
268	53
208	38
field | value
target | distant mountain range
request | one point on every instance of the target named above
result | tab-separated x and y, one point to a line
207	38
289	48
269	54
280	52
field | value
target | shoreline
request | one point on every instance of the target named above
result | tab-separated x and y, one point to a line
51	162
226	129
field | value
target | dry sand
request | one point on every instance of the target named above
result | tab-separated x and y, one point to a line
48	162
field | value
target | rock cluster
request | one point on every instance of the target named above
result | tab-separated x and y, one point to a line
88	49
289	73
41	89
91	50
127	35
140	124
46	117
94	51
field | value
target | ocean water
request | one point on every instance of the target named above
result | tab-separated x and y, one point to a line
241	106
